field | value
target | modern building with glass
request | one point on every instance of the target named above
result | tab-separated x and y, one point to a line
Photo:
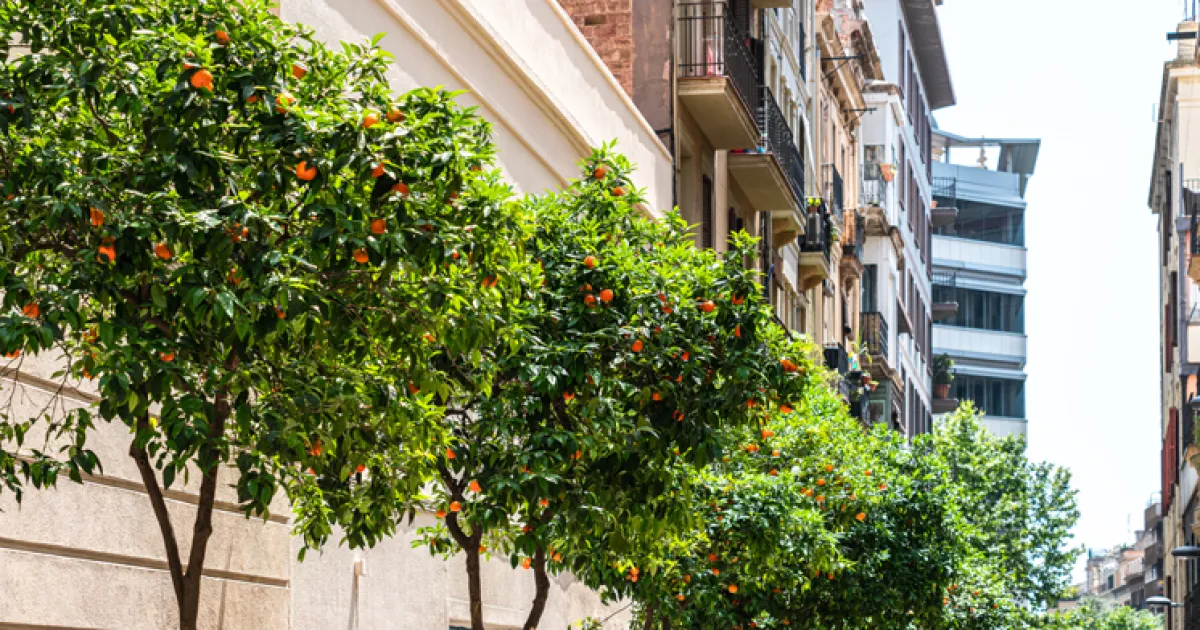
979	271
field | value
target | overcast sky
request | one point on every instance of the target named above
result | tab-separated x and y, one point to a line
1085	78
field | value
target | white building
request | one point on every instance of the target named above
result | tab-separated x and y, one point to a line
897	312
979	263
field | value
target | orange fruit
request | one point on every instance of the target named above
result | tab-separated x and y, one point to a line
527	562
107	251
867	473
474	486
222	37
360	468
785	409
828	467
202	80
820	482
97	217
315	451
678	416
31	310
737	331
394	115
279	312
162	251
298	70
712	557
601	172
455	506
767	433
618	192
167	357
370	120
568	396
360	256
733	588
450	454
589	300
590	262
774	473
305	172
606	295
707	306
656	396
544	502
253	98
687	579
412	388
716	572
775	453
637	347
283	101
686	355
861	516
14	354
378	226
440	514
680	597
377	171
401	188
737	300
883	486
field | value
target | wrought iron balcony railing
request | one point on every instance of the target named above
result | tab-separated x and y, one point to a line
875	334
712	44
835	192
777	138
945	187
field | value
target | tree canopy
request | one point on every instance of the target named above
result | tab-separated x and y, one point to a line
242	241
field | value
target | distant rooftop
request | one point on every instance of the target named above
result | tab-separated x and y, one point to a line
1017	155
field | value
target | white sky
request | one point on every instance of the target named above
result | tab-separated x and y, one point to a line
1084	76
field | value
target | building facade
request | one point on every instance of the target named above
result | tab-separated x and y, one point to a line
90	555
979	271
897	208
1175	199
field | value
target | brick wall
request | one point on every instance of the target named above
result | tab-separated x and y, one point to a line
608	27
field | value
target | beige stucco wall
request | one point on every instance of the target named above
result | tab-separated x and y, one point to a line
90	555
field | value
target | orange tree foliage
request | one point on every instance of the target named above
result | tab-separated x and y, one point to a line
642	350
239	239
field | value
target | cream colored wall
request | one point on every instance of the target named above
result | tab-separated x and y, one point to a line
90	556
526	67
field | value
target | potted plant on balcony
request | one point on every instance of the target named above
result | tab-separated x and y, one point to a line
943	376
814	204
888	171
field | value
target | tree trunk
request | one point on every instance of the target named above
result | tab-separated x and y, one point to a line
649	625
542	583
469	545
186	581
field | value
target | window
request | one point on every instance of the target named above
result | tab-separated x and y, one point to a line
983	310
985	222
870	288
995	396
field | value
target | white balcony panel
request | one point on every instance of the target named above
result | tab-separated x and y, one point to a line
1003	427
980	344
965	253
1193	342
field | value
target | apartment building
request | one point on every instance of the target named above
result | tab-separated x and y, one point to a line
1175	198
90	555
897	208
979	271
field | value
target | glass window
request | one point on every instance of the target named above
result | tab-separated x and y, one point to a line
984	310
984	222
995	396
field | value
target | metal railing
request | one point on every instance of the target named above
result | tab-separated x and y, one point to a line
946	187
944	278
853	233
875	333
836	358
873	193
835	192
818	233
713	45
777	139
1190	200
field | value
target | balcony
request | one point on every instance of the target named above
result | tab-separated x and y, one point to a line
1191	208
718	75
833	188
947	189
976	343
873	198
875	339
772	175
979	255
853	237
814	249
836	358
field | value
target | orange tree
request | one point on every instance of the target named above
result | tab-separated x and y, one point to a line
239	240
812	522
643	349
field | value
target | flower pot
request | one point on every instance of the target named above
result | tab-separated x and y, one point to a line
866	379
941	391
888	172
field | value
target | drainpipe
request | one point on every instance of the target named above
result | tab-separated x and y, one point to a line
671	66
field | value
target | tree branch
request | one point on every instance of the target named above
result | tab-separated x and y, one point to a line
150	481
